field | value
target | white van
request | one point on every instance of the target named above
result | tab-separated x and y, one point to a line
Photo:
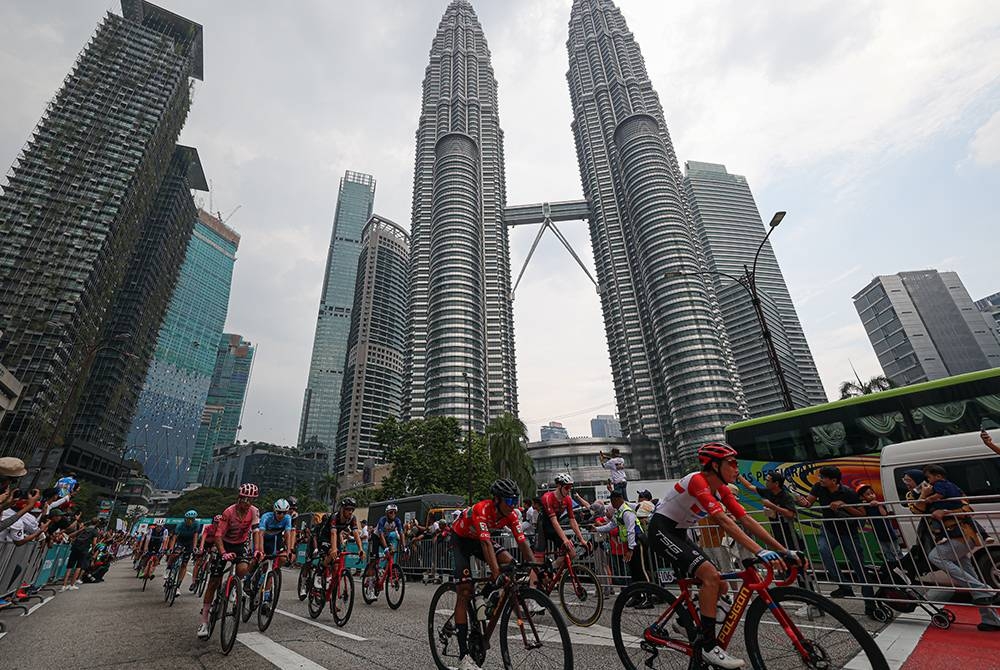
970	464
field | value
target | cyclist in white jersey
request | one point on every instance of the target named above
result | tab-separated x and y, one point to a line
700	494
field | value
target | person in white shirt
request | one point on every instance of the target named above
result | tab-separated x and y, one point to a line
616	465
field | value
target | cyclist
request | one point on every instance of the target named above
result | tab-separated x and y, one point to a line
238	527
154	541
470	537
183	539
279	536
389	529
701	494
205	542
549	533
333	529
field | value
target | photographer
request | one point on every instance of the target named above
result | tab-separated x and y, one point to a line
616	465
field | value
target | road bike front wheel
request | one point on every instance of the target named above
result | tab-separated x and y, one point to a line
635	611
203	575
441	627
395	587
581	596
530	640
268	599
305	580
369	583
829	636
231	606
317	594
342	601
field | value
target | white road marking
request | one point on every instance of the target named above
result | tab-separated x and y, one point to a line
329	629
279	655
897	641
36	606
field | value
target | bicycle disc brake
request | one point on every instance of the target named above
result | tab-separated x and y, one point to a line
818	658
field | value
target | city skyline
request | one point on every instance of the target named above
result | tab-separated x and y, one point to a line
788	121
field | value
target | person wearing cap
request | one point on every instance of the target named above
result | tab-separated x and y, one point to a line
625	524
602	562
11	469
615	464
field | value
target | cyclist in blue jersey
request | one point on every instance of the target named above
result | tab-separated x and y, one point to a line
182	540
279	536
389	528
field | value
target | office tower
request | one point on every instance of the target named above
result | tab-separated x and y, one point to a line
990	307
729	230
460	333
923	325
373	372
72	219
321	404
165	426
675	382
605	425
221	418
554	431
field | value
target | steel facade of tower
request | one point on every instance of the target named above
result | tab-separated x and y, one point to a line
674	376
73	215
373	374
321	403
729	229
168	414
460	332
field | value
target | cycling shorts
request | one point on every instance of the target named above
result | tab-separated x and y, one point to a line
463	549
274	544
184	550
671	542
243	555
546	538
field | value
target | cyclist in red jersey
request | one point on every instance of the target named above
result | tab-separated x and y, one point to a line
470	536
204	542
549	533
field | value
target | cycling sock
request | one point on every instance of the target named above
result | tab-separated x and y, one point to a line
204	612
708	632
463	639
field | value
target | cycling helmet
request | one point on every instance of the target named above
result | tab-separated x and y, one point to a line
348	502
281	505
191	514
293	501
563	478
217	518
249	491
504	488
714	451
391	508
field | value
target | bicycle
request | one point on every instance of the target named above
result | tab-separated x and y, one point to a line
265	585
642	634
306	576
226	605
335	586
579	588
170	581
391	579
507	608
199	579
148	570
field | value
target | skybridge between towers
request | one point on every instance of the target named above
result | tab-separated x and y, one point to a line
547	214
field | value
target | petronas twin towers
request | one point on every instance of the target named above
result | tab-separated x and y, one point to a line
673	371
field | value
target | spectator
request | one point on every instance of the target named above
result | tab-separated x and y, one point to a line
83	541
602	562
364	534
988	441
531	515
779	506
885	533
67	484
616	465
841	507
625	524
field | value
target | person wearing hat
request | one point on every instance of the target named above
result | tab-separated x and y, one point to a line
11	469
625	523
602	563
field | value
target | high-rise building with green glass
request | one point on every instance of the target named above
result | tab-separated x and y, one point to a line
321	404
220	420
165	426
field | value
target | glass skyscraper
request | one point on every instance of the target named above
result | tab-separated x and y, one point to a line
321	404
729	229
674	374
98	182
165	427
220	420
460	333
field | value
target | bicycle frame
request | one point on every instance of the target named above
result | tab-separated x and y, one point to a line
334	580
567	566
389	563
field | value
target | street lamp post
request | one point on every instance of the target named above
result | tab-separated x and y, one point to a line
749	282
468	445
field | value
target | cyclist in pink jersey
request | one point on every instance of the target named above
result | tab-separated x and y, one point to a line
237	539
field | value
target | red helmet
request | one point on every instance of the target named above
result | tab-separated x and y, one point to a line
249	491
715	451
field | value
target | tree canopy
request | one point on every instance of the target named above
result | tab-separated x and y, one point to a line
506	436
851	389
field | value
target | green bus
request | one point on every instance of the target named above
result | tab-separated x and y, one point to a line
851	433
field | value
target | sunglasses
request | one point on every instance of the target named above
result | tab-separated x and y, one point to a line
511	502
732	461
244	499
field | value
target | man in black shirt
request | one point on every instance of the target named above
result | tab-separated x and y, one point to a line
779	505
841	506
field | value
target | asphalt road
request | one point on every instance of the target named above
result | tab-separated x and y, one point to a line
114	625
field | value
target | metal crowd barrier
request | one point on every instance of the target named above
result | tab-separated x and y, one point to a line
19	565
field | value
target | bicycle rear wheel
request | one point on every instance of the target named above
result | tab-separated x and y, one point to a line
342	601
369	583
305	578
231	606
203	575
395	587
831	637
636	609
441	627
317	594
530	643
581	596
268	599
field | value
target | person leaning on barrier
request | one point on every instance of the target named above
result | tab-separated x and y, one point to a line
885	533
779	506
626	525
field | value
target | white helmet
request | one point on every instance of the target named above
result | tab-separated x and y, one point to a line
391	508
281	505
563	478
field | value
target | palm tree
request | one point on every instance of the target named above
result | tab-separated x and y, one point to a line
851	389
506	436
326	487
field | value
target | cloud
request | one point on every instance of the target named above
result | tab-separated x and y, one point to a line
984	148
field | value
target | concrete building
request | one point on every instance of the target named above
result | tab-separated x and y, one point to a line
321	404
579	456
97	187
460	332
373	371
729	230
10	389
223	412
990	307
554	431
274	468
923	325
605	425
665	334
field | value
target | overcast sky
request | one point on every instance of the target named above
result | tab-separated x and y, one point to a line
874	124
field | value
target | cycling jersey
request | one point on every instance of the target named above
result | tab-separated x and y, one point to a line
270	524
334	523
476	522
208	535
386	526
186	533
691	499
234	528
65	486
553	505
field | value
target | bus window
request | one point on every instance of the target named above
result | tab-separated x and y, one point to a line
780	446
958	416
